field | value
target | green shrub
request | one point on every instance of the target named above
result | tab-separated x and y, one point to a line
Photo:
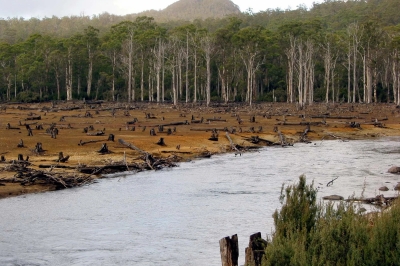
307	233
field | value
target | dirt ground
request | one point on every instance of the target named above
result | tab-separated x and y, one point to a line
190	127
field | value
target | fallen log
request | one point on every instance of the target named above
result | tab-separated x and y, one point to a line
99	133
176	124
33	118
233	145
147	156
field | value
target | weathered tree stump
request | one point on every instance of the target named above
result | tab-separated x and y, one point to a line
255	251
152	132
61	157
38	148
111	137
20	157
252	119
214	136
20	144
169	131
161	142
2	158
104	149
229	249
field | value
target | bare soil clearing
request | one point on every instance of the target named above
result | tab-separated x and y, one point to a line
96	138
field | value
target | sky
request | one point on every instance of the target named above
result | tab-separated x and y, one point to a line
47	8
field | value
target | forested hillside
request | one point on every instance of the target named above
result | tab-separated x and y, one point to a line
335	51
189	10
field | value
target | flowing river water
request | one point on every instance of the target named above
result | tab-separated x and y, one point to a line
177	216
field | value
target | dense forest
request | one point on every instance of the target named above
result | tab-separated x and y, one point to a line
336	51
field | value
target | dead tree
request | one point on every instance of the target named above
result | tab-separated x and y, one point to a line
229	249
147	156
233	146
255	251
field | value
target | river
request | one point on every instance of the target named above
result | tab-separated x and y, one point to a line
177	216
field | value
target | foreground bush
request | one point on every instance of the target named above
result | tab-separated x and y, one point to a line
310	233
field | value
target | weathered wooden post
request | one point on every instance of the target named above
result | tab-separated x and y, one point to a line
255	251
229	249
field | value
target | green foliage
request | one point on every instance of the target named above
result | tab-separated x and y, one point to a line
28	97
308	233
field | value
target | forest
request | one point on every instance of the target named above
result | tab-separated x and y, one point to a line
335	51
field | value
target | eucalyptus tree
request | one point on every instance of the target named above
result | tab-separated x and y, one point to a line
330	55
7	63
125	33
354	32
225	54
207	46
91	41
371	46
111	48
146	32
251	43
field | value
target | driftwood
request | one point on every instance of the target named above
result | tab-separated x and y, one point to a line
99	133
27	176
176	124
314	123
330	183
229	249
282	139
33	118
233	145
379	200
147	156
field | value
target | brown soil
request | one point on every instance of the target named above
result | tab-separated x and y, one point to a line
375	121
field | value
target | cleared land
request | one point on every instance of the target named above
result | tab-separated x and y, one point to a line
79	130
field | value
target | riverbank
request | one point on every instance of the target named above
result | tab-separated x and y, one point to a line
80	130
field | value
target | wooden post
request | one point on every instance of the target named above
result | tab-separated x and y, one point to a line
229	249
255	251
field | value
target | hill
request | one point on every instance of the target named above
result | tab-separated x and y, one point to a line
190	10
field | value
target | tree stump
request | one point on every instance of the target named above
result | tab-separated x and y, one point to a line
111	137
229	249
38	148
104	149
20	157
169	131
161	142
152	132
20	144
214	137
61	157
2	158
255	251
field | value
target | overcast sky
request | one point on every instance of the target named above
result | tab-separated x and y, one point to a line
60	8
